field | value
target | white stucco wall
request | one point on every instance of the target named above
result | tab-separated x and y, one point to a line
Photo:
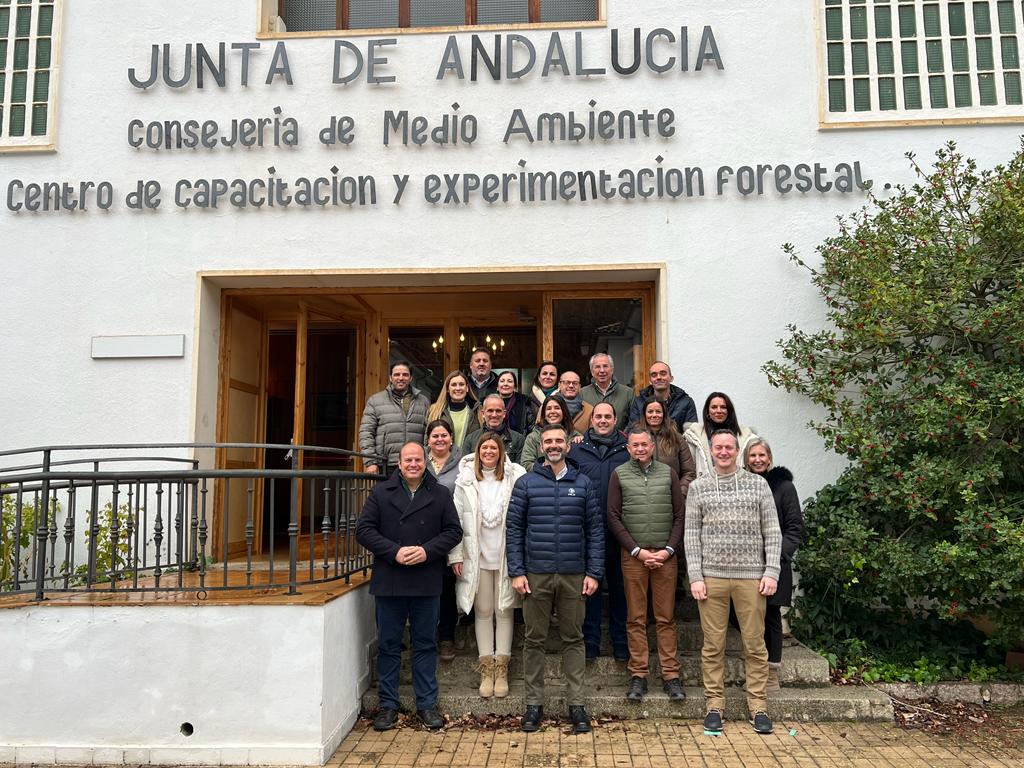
259	684
729	290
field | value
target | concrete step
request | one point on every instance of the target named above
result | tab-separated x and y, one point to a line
800	667
691	638
786	706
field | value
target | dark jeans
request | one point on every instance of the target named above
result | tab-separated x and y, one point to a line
616	602
449	611
773	633
421	613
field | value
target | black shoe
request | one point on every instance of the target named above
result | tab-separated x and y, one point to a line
580	719
761	722
531	717
620	653
431	718
713	721
385	719
674	689
637	688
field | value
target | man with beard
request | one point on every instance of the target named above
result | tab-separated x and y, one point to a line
392	417
554	508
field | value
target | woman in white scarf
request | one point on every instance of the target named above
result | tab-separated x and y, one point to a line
482	493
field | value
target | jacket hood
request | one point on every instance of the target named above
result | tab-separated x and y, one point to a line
455	455
467	475
391	391
778	475
544	469
620	441
395	481
674	392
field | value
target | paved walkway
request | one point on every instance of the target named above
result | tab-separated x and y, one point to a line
672	744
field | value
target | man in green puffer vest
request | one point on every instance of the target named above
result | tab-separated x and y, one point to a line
646	510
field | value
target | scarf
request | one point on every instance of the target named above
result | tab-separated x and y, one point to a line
575	406
491	508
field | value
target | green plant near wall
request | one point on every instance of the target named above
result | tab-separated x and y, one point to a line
14	542
109	559
920	372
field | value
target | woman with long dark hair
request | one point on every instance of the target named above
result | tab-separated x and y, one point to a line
758	459
545	382
517	405
670	447
482	493
553	410
718	413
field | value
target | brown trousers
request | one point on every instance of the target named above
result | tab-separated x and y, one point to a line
714	621
662	584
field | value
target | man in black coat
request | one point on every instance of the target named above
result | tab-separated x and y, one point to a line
410	524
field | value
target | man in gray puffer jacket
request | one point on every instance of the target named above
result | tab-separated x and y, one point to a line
393	417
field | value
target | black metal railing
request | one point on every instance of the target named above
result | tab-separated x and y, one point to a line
119	518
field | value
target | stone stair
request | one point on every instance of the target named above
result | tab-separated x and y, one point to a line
806	694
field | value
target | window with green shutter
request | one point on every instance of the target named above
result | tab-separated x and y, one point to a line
28	73
936	59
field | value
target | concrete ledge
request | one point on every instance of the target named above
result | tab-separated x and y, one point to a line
794	704
1000	694
184	684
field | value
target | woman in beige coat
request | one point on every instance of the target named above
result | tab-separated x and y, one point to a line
482	493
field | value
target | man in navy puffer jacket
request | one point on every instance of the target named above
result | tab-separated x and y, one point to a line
555	550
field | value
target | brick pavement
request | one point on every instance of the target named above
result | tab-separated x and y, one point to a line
670	743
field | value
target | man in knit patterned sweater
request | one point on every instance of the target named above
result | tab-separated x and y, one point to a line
733	545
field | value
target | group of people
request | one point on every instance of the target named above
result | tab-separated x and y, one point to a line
498	498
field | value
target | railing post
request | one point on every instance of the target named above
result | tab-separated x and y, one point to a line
42	527
293	529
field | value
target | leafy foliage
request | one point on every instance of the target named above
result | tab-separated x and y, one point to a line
920	374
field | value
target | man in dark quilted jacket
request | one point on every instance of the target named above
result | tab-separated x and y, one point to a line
555	550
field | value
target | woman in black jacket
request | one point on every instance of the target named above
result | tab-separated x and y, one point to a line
758	459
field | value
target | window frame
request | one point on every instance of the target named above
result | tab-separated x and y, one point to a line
975	114
28	142
269	10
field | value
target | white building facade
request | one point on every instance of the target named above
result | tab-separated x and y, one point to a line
220	220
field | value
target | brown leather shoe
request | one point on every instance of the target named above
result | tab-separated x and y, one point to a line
446	650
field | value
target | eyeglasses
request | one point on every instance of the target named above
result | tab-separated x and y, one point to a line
569	383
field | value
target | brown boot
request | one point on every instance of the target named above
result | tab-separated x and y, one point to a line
773	679
501	676
486	677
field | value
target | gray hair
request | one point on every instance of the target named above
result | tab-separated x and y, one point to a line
601	354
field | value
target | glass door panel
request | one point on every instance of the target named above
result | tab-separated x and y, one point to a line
423	348
512	349
582	327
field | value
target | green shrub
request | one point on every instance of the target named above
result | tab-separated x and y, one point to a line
921	379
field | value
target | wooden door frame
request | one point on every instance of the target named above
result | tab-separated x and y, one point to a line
221	460
645	292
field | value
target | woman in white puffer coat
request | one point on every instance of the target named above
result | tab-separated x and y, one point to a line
482	493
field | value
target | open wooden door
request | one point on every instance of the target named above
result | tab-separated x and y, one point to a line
238	509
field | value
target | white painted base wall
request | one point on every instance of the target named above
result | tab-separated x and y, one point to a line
260	685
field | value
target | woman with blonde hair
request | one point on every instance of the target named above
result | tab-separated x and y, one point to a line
455	404
482	493
757	458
